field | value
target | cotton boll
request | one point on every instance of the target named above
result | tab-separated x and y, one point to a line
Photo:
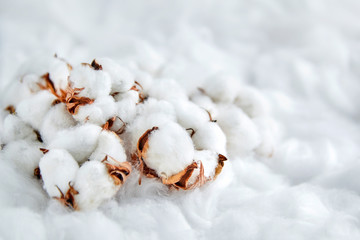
209	160
167	89
24	154
109	144
153	106
34	109
121	79
58	118
209	136
251	101
98	112
221	88
126	105
241	133
57	168
170	150
94	185
189	115
15	129
96	83
59	72
144	79
205	102
79	141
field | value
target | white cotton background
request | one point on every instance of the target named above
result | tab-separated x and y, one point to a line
301	56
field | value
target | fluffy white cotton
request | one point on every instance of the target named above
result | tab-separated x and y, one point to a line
96	83
148	59
189	115
98	112
55	120
170	150
205	102
34	109
241	133
144	79
167	89
57	168
209	159
94	185
209	136
121	79
251	101
109	144
221	87
16	129
270	134
59	72
24	154
80	141
126	105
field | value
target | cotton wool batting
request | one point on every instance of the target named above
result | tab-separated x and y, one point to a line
83	130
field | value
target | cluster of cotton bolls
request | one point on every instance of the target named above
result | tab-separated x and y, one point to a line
82	129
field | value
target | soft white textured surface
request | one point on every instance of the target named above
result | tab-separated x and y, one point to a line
302	55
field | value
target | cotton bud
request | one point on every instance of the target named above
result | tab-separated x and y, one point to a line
24	154
126	105
144	79
221	88
57	168
205	102
79	141
209	136
59	72
189	115
121	79
34	109
168	149
241	133
109	144
55	120
16	129
95	83
98	112
252	102
95	183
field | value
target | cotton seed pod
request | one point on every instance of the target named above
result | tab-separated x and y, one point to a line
221	88
57	168
109	144
34	109
95	183
95	83
121	79
80	141
189	115
16	129
209	136
205	102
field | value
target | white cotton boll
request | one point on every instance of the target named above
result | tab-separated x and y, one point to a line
15	129
154	106
34	109
24	154
126	110
59	72
97	112
241	133
170	150
94	185
205	102
96	83
58	118
57	168
221	88
209	160
144	79
167	89
131	96
209	136
189	115
79	141
121	79
251	101
30	82
109	144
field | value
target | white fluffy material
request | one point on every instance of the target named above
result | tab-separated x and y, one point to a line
121	79
170	150
33	110
94	185
190	115
16	129
167	89
95	83
209	159
251	101
79	141
57	168
109	144
221	87
209	136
